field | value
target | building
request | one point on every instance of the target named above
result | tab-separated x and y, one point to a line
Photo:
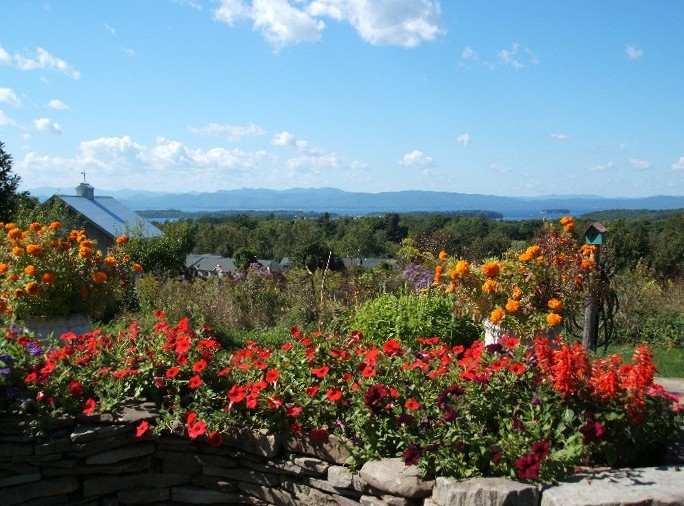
104	218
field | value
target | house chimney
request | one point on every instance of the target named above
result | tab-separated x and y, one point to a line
85	190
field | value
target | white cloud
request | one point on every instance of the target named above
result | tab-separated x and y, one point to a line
404	23
637	164
8	96
44	60
4	119
557	136
500	168
128	51
283	138
57	104
516	57
602	167
231	132
45	125
5	57
416	158
679	164
633	52
464	140
109	28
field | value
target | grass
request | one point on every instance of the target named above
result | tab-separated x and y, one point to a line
669	361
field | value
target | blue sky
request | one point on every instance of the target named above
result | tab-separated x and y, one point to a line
501	97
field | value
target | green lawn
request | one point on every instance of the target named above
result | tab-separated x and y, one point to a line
670	362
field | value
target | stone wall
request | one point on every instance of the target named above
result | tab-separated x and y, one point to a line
98	460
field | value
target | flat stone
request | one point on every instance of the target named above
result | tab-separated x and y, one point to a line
7	480
216	460
311	496
393	477
134	412
271	495
143	495
15	449
270	466
661	486
84	433
342	478
60	445
101	485
483	492
259	442
197	495
118	455
325	486
312	464
390	500
332	449
214	482
242	474
43	488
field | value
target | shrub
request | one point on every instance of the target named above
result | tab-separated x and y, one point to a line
408	317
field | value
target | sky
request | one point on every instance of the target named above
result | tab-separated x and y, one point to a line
497	97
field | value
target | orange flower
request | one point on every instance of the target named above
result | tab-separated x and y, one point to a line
555	304
489	286
530	253
554	319
15	234
55	225
110	260
516	293
17	251
443	255
30	270
34	249
3	268
497	315
122	239
512	306
47	277
568	223
84	252
491	269
137	267
32	288
36	227
462	268
99	277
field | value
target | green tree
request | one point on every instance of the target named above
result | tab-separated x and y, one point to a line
10	199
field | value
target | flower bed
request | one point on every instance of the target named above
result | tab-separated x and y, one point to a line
532	413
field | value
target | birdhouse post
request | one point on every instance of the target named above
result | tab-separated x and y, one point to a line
596	235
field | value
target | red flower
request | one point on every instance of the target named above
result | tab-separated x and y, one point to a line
311	391
75	388
199	365
294	411
319	434
272	375
517	368
195	381
215	439
321	372
334	394
196	429
252	401
412	404
224	371
89	406
172	372
412	455
274	401
236	393
392	347
527	467
142	428
368	371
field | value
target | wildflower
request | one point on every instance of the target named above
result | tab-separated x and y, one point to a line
462	268
334	394
443	255
512	306
195	381
89	406
527	467
412	455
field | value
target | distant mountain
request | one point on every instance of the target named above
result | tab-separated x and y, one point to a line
338	201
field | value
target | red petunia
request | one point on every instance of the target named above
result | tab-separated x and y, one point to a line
319	434
196	429
517	368
172	372
272	375
294	411
199	366
252	401
392	347
224	371
311	391
412	404
236	393
320	372
142	428
334	394
75	388
89	406
215	439
195	381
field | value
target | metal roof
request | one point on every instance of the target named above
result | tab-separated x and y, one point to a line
110	216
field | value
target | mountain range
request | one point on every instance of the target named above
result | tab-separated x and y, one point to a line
336	201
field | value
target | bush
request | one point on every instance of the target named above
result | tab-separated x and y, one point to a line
408	317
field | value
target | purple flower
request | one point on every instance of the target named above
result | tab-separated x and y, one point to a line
494	348
405	419
4	371
450	415
517	423
536	401
34	349
7	359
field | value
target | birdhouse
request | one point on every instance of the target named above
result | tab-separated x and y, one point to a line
596	234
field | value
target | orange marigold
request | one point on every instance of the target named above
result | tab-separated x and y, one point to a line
34	249
55	225
497	315
17	251
122	239
110	260
489	286
32	288
516	293
30	270
36	227
443	255
555	304
99	277
462	268
3	268
47	277
512	306
554	319
491	269
137	267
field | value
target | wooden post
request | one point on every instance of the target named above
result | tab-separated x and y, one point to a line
591	312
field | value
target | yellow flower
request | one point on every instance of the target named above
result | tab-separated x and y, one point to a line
512	306
497	315
554	319
462	268
489	286
555	304
491	269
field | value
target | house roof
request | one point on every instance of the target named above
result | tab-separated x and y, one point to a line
109	215
208	263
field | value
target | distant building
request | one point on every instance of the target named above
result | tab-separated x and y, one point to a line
104	218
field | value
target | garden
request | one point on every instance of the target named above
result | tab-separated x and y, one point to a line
401	374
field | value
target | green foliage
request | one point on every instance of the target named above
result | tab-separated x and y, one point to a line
408	317
10	199
162	255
